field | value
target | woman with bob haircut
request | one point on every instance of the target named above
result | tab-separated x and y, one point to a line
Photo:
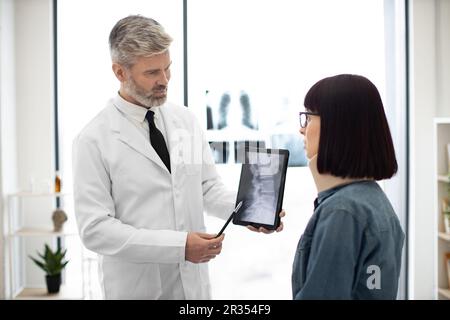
352	245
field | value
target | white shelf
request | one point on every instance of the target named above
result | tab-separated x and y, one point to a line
442	120
38	232
444	292
38	194
444	236
64	293
443	178
26	232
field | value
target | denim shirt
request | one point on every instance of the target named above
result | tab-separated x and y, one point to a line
351	247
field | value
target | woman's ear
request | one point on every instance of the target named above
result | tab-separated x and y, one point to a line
120	72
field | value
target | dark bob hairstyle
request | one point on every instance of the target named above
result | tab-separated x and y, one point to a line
355	141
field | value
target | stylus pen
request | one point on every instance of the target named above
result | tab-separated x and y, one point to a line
229	219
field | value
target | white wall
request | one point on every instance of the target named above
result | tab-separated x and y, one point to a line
8	132
34	72
35	117
430	80
443	57
26	123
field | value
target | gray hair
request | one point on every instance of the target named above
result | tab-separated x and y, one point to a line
137	36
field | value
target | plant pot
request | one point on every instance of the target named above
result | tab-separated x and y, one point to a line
53	283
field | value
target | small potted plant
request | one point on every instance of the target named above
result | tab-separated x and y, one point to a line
52	263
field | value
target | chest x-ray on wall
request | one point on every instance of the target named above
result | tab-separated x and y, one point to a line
242	114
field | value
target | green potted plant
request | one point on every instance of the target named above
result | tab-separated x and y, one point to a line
52	263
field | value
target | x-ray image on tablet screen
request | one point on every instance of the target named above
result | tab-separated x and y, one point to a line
261	187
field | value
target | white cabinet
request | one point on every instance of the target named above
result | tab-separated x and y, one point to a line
442	238
29	227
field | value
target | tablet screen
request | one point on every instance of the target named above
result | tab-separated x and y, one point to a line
261	187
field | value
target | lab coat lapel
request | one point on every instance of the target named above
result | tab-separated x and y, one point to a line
131	136
174	139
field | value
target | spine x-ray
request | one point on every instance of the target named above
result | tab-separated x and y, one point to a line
261	187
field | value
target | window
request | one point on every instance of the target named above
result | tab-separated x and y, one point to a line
250	64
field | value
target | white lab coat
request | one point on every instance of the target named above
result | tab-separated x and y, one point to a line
134	213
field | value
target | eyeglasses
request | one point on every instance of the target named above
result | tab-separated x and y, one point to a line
305	118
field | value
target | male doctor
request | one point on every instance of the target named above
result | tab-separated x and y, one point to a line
143	175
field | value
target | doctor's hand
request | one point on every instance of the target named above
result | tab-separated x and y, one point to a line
264	230
202	247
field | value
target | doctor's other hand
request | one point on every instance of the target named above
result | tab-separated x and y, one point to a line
202	247
264	230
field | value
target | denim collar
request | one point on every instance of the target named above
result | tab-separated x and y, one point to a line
321	196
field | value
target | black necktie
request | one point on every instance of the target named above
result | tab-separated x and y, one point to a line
157	140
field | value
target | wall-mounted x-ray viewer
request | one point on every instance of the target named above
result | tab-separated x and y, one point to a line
221	150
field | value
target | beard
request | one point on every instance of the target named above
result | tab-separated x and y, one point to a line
143	97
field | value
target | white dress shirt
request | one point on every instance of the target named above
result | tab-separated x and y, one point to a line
136	114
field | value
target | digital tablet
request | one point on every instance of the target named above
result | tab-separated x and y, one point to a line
261	188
